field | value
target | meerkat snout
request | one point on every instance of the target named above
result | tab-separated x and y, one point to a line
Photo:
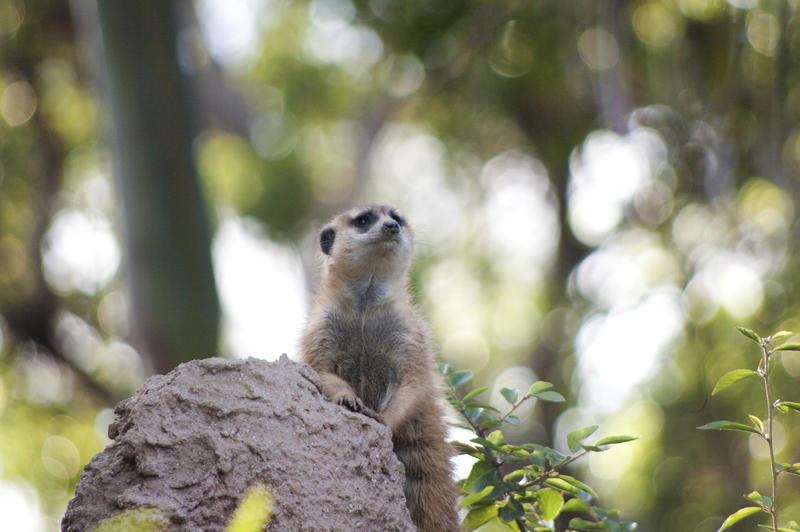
391	227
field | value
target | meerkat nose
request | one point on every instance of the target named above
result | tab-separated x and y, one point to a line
390	226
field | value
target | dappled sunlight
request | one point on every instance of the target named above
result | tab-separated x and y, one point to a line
229	168
73	236
466	349
231	30
262	291
656	24
621	350
333	38
606	172
20	508
598	49
520	215
724	280
17	103
109	359
763	31
626	268
408	169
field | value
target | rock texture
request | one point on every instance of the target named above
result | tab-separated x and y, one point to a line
191	443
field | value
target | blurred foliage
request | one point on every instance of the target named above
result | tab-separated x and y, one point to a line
523	487
254	511
770	349
600	190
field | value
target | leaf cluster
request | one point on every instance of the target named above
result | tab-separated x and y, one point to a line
761	427
524	487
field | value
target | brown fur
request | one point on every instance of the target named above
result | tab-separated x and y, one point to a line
374	354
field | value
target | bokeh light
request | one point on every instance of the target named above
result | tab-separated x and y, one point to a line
73	236
18	103
262	292
598	48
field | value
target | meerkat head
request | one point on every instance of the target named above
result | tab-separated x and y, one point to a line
371	241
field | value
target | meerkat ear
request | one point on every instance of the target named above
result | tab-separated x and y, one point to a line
326	238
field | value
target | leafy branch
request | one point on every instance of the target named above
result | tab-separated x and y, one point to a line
761	428
524	486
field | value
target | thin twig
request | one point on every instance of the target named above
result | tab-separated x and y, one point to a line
773	508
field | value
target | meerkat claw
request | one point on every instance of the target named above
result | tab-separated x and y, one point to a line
351	403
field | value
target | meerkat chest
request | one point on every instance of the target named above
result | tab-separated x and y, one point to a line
371	350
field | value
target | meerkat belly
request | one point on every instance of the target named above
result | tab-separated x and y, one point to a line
369	350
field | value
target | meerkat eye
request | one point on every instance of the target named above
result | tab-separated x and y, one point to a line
396	217
364	220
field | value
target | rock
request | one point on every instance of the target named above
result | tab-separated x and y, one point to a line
191	443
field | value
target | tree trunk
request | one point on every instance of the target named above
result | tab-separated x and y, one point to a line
175	310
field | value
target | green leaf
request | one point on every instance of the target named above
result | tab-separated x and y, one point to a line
550	503
539	386
501	488
789	404
732	377
578	484
510	395
575	438
577	523
757	423
484	406
780	335
791	346
496	437
593	448
514	474
143	518
612	440
511	511
254	512
474	497
486	443
750	334
463	448
562	485
472	413
479	516
481	475
729	425
551	454
491	423
553	397
457	378
576	504
757	498
794	469
738	515
474	392
513	420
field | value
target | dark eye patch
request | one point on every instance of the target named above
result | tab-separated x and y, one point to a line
364	220
396	217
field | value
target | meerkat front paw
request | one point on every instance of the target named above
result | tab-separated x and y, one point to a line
351	402
355	404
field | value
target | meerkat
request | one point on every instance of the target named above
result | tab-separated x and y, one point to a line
374	355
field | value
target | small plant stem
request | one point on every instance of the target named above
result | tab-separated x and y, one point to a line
553	469
516	405
773	509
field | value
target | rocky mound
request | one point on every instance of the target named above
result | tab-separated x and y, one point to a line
191	443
